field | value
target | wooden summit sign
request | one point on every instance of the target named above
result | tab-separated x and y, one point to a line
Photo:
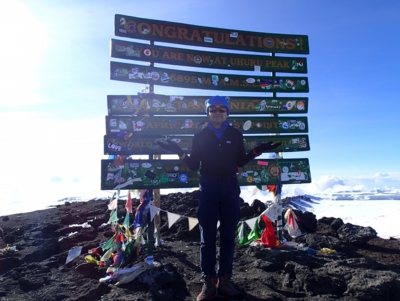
136	144
211	81
156	104
171	32
140	174
181	125
205	59
135	123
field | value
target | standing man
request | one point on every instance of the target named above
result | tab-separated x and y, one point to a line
219	150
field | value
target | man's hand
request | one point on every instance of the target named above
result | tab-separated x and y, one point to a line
172	147
266	147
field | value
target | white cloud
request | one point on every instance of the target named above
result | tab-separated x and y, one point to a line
380	174
39	149
379	179
328	185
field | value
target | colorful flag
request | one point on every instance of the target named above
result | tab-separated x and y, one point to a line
141	195
119	160
142	215
128	205
291	225
268	237
279	187
108	244
113	217
255	232
242	234
126	221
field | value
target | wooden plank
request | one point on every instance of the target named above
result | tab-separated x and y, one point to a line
186	34
139	145
156	104
142	174
122	126
210	81
205	59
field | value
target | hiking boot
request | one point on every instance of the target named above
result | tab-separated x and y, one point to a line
226	288
209	289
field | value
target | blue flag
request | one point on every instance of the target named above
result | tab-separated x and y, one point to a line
142	215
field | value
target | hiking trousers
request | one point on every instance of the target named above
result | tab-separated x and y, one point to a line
218	201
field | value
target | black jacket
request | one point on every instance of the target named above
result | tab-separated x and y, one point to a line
218	157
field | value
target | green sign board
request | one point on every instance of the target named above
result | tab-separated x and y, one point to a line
125	126
139	145
142	174
185	34
205	59
210	81
155	104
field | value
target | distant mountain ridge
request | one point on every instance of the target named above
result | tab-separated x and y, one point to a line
376	195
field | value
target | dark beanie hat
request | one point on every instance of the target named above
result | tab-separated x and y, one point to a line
217	100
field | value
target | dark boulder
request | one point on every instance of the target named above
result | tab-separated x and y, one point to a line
356	235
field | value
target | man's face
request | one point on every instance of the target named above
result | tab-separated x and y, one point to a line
217	114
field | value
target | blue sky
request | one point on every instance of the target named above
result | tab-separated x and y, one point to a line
55	79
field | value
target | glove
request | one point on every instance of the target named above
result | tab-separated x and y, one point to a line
172	147
265	147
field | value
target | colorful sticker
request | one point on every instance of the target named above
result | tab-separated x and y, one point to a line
274	171
151	175
197	59
165	78
300	105
247	125
188	124
183	178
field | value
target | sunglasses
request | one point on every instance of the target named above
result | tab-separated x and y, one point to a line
215	110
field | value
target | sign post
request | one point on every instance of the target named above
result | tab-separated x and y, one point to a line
135	123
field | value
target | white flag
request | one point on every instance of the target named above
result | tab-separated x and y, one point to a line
271	212
172	218
113	203
192	222
251	222
153	211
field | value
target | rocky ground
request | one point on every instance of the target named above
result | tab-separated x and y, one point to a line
364	266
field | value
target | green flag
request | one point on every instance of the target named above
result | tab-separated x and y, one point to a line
255	233
113	217
108	244
242	234
126	221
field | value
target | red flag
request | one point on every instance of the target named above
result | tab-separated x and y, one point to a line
268	237
119	160
291	220
272	188
128	205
